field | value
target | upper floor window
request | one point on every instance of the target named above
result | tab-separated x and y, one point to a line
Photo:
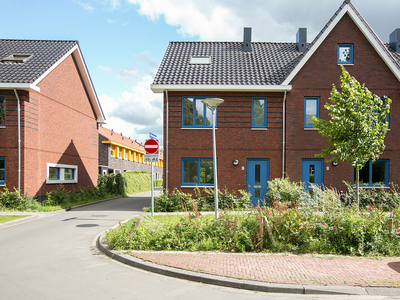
345	54
2	110
2	170
195	113
311	108
259	112
375	174
197	171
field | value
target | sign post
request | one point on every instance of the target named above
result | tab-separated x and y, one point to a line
152	155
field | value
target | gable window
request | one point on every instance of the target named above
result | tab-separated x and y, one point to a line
259	112
197	171
345	54
374	174
200	60
195	113
2	170
58	173
2	110
311	108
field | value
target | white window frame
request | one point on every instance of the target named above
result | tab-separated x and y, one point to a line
61	174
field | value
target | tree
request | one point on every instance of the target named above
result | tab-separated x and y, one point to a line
358	124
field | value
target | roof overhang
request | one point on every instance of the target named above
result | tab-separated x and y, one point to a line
354	16
123	146
87	81
19	86
160	88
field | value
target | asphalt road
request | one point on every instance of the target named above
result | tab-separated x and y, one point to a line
54	257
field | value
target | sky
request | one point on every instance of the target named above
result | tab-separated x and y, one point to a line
124	41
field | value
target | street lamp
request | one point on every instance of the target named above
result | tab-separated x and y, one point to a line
212	104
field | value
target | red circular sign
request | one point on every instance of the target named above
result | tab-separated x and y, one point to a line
151	146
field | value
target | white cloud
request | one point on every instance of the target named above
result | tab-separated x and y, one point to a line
135	113
108	70
86	6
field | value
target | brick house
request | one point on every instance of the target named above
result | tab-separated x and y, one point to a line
270	92
118	153
48	102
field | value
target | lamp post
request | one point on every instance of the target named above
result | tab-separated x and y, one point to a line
212	104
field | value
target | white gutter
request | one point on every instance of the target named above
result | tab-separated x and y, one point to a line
167	142
19	140
284	135
159	88
20	86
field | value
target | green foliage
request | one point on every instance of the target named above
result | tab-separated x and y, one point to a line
157	183
135	182
12	200
284	190
357	125
180	201
340	230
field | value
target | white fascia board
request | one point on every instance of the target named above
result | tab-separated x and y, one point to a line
378	48
159	88
318	43
19	86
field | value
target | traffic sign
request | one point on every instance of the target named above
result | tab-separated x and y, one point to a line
152	136
151	158
151	146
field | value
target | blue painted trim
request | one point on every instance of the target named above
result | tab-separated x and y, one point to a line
386	161
319	160
351	54
198	171
248	170
5	170
194	113
58	174
305	110
5	111
265	112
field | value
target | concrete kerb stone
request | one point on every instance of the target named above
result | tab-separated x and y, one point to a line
232	282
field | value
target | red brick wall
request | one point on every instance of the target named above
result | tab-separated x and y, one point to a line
316	79
58	126
234	138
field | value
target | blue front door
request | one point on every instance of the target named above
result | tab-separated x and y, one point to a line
257	179
312	172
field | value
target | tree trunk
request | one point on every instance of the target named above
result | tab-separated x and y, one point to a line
358	187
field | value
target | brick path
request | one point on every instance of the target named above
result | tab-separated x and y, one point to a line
290	269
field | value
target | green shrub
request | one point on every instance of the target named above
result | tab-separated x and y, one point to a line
135	182
12	200
284	190
157	183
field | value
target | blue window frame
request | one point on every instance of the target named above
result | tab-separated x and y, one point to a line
259	112
54	173
311	108
58	173
374	174
2	170
345	54
2	110
197	171
195	113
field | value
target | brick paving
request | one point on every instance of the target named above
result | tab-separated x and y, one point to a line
281	268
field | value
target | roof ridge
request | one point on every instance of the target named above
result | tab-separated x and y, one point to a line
38	40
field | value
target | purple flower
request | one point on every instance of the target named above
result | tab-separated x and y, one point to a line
198	226
222	216
334	228
323	224
177	224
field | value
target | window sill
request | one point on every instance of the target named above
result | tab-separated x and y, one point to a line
372	187
258	128
55	181
197	186
310	128
201	128
345	64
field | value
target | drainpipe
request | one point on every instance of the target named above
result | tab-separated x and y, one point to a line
19	140
283	135
167	142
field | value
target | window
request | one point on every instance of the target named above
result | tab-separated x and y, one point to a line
374	174
259	112
195	113
2	110
16	58
57	173
345	54
197	171
2	170
311	108
200	60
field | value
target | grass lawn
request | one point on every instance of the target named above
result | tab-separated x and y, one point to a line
8	218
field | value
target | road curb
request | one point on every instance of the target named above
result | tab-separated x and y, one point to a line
240	284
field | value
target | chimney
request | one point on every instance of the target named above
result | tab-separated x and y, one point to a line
301	40
247	39
394	40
